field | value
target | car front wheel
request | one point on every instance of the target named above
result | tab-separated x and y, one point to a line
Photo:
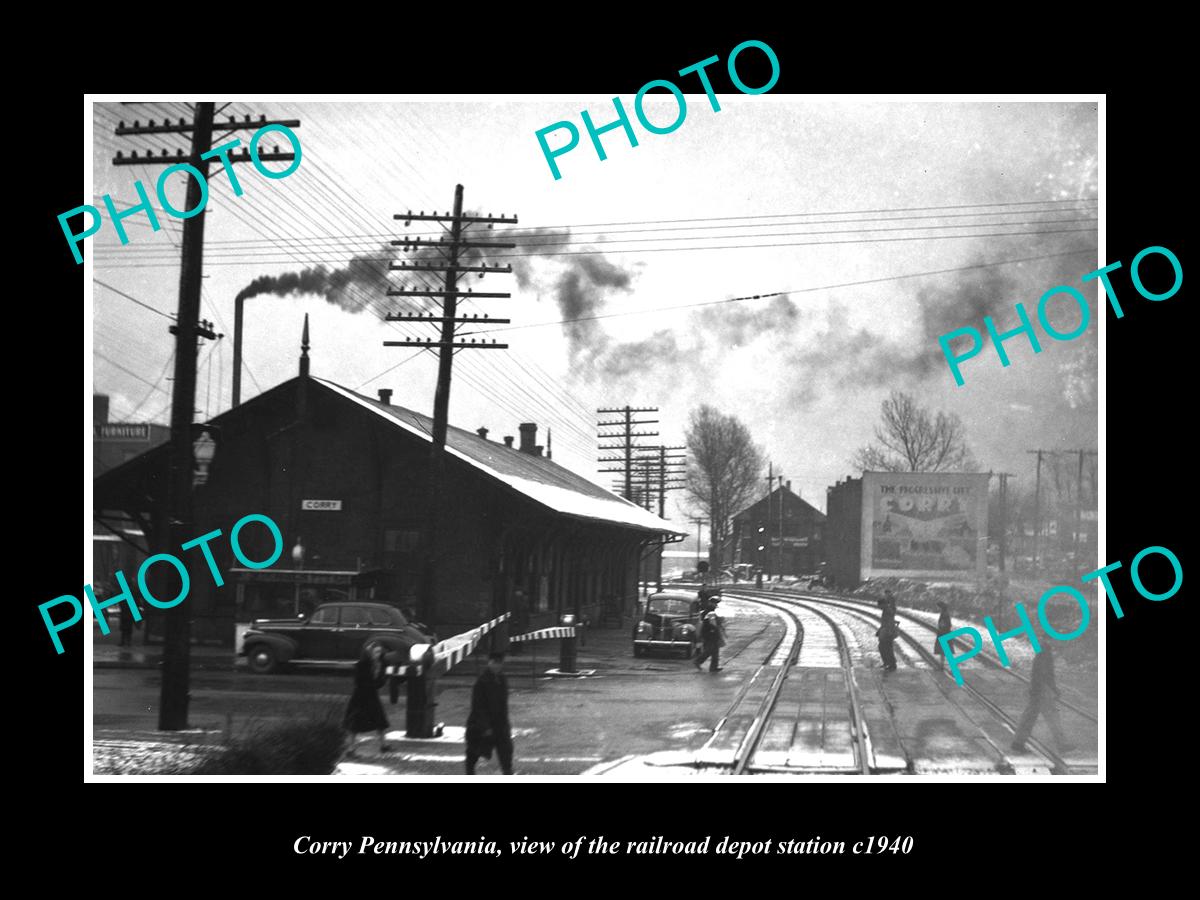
262	659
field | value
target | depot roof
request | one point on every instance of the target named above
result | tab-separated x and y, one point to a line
536	477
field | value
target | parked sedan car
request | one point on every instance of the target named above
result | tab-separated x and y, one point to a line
671	621
335	633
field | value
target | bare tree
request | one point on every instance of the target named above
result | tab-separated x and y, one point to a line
723	472
912	438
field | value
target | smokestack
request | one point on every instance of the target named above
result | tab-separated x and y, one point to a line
528	436
238	302
482	432
508	439
385	396
304	349
99	409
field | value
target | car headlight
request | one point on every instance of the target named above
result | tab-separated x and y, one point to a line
644	628
687	629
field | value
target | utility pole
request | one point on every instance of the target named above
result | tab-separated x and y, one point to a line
173	696
770	487
446	346
1003	476
625	439
661	472
781	498
1079	504
1037	504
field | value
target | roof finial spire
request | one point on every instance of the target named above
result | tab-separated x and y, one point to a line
304	348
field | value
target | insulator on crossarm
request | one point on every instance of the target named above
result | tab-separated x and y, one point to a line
150	122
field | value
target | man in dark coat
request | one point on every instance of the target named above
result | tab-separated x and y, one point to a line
888	605
1043	691
887	634
712	638
487	725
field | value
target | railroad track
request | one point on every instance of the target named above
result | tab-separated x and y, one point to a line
986	656
869	613
751	716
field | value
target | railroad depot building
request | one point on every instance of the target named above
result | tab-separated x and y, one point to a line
346	479
792	536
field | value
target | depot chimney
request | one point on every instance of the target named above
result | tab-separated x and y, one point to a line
508	439
385	396
482	432
528	437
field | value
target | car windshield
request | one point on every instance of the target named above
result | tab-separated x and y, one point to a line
667	606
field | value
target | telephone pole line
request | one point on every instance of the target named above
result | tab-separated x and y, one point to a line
1037	504
173	698
625	439
1003	476
446	346
661	472
1079	504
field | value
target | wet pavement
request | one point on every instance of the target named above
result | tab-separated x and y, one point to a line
630	718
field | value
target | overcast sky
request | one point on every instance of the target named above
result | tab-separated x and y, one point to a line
926	186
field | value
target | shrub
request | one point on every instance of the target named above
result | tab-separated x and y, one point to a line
307	745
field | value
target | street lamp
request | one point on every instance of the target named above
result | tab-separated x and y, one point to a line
204	448
298	559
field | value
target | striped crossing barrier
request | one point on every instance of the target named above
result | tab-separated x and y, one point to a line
450	652
561	631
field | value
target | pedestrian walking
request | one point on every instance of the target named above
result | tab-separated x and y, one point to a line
888	605
126	625
365	712
488	727
1043	694
888	631
712	638
944	626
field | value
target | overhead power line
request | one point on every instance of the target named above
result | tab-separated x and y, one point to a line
804	290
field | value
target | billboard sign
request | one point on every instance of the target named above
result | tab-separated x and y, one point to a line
924	525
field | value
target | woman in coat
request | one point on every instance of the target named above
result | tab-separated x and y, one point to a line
365	712
944	626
